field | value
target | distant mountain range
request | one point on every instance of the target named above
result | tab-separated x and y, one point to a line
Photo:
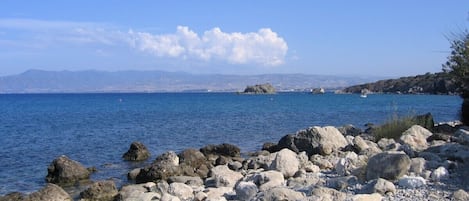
39	81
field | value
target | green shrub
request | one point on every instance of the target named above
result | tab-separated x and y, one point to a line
395	126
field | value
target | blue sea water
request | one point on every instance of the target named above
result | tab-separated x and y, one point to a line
96	129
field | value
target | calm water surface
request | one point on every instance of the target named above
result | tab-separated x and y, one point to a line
96	129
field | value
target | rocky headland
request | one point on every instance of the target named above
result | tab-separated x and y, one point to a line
317	163
437	83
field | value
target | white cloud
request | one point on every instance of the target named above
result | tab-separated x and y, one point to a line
263	47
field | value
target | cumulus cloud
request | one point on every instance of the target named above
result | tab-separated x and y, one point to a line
262	47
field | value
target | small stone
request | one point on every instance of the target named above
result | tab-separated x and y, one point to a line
411	182
439	174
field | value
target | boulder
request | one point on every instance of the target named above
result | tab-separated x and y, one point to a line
412	182
463	136
50	192
323	193
416	137
144	192
217	194
132	175
286	162
169	197
165	166
136	152
224	177
182	191
100	190
387	165
65	171
381	186
417	165
367	197
282	193
460	195
341	183
314	140
194	163
246	190
222	149
267	180
439	173
350	130
191	181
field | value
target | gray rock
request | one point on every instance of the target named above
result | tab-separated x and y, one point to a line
136	152
182	191
191	181
387	165
235	165
281	193
65	171
321	162
412	182
194	163
417	165
416	137
349	130
100	190
360	144
388	144
367	197
439	174
50	192
132	175
341	183
144	192
460	195
268	179
323	193
463	136
380	186
221	149
169	197
224	177
314	140
246	190
285	162
165	166
217	194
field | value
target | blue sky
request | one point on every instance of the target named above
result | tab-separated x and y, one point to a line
370	38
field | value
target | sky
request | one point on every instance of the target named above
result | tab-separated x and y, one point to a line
337	37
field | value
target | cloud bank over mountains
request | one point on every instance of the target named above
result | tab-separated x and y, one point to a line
264	47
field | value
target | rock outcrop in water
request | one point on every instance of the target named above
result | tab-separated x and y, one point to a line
64	171
320	163
136	152
260	89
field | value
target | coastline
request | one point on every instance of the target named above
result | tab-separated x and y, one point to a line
326	169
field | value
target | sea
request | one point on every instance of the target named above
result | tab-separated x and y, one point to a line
97	129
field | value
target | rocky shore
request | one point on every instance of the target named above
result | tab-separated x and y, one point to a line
317	163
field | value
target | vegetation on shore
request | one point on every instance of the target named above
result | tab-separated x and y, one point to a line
457	67
396	125
429	83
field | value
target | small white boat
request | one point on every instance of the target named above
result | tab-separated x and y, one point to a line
364	93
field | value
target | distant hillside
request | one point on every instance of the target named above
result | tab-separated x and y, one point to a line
39	81
438	83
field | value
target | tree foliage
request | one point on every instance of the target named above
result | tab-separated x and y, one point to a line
458	62
458	67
